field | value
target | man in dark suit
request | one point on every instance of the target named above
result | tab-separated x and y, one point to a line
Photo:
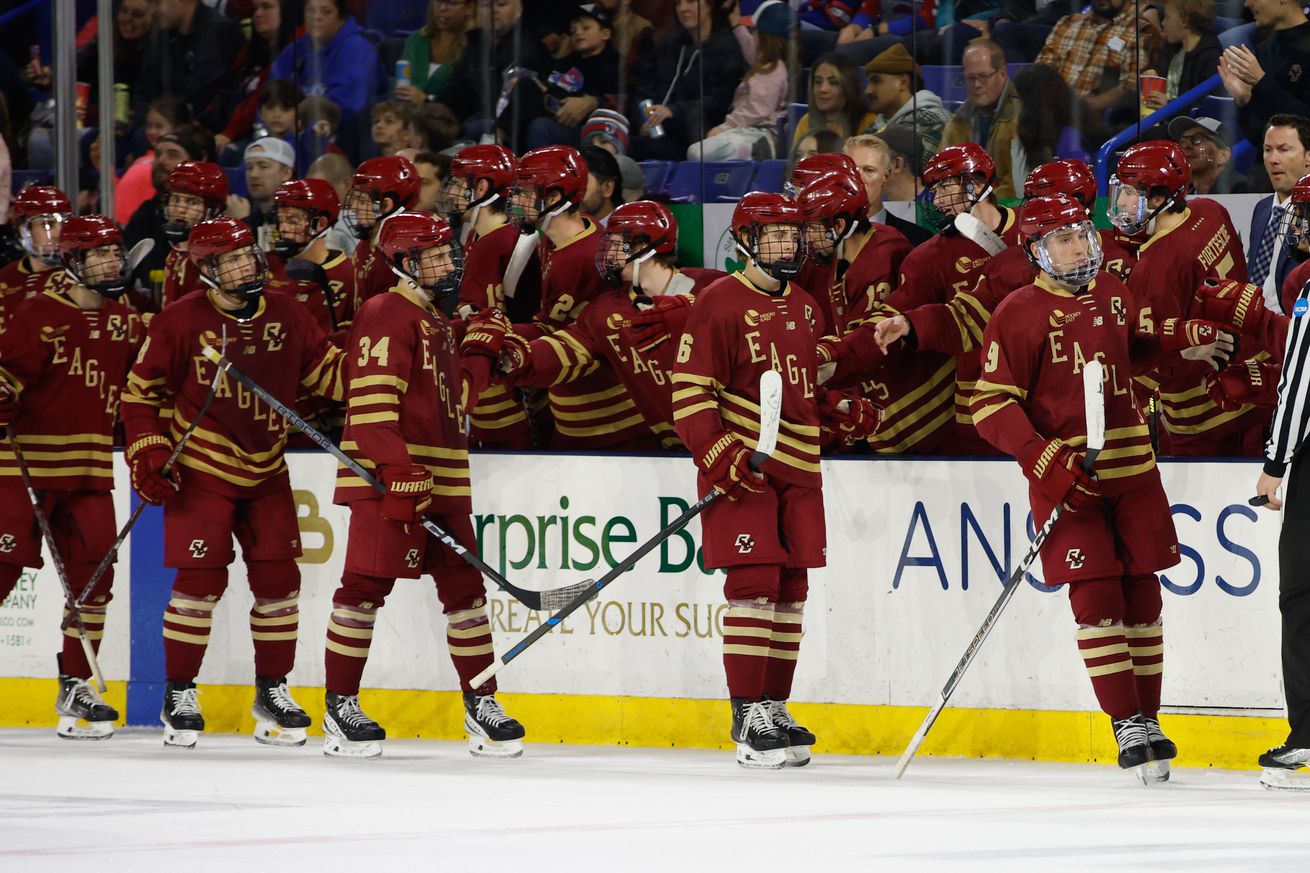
1286	160
875	156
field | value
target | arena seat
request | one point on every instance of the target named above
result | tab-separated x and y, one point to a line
769	175
710	181
657	175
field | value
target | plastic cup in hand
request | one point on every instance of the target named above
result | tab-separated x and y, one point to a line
1152	85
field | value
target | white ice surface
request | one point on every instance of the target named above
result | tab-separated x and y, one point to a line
127	805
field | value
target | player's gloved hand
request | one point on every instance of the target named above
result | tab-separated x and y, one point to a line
147	457
1199	340
1056	470
727	465
664	318
515	357
408	494
1251	382
486	333
1240	304
8	406
848	416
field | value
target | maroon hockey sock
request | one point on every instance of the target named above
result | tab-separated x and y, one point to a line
468	636
188	619
784	647
274	626
73	658
1105	653
1146	645
747	629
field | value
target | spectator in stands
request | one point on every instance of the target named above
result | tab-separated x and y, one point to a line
579	83
432	50
700	50
1271	79
269	163
6	167
318	120
990	115
279	109
604	184
1022	27
873	159
634	36
1208	145
1099	54
836	100
608	130
1046	129
904	176
272	27
336	170
759	106
896	93
390	126
1190	47
333	59
189	142
432	128
134	27
135	187
823	141
1286	159
432	168
192	58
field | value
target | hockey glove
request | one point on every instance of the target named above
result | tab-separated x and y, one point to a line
1199	340
727	465
1240	304
147	457
1055	470
486	333
848	417
663	319
1252	382
515	357
409	492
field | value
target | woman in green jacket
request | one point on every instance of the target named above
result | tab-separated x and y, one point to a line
431	51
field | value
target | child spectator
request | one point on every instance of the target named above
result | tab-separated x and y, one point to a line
279	102
432	128
836	100
272	26
318	118
163	116
390	122
1191	51
608	130
579	83
432	50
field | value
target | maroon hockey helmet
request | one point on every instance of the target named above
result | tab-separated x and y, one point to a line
810	168
549	181
634	233
37	200
191	179
106	275
317	199
833	197
1064	217
1146	170
421	247
376	180
38	211
959	177
779	255
244	273
1070	177
1296	217
493	164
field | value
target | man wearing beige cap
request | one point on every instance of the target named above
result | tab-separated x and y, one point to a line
895	93
269	162
1208	144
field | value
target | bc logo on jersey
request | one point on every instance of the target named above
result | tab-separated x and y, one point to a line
745	544
411	559
1075	558
198	548
7	543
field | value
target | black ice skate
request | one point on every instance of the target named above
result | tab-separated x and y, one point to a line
760	743
1134	745
82	714
492	733
1163	750
347	731
1284	768
799	739
181	716
279	720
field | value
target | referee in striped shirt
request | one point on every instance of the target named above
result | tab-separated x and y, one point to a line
1290	428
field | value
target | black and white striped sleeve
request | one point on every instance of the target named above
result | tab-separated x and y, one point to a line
1292	415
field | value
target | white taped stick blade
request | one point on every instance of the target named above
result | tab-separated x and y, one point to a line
770	412
1094	404
972	229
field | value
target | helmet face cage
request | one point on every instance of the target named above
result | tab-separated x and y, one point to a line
454	197
1295	223
240	273
528	209
40	237
103	269
1128	207
617	249
1053	257
438	270
779	250
363	210
955	195
291	229
181	211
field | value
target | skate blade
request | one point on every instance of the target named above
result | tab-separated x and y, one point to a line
485	747
180	739
798	756
768	759
270	733
1156	772
73	728
336	747
1279	779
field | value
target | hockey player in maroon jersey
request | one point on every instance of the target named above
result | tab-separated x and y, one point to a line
380	187
1118	532
634	328
407	392
816	273
63	360
231	476
1296	236
770	530
196	191
37	212
304	210
593	411
474	195
1186	240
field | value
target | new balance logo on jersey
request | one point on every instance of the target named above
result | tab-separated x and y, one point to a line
411	559
745	544
198	548
1075	558
7	543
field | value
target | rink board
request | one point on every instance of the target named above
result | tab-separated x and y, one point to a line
917	550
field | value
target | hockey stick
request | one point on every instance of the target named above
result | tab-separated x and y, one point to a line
972	229
770	413
112	555
531	599
49	536
1094	408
